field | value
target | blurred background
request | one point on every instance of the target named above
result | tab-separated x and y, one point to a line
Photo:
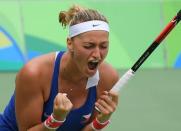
151	100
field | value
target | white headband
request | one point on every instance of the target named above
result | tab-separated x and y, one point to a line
87	26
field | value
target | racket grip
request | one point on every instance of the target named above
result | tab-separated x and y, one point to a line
122	81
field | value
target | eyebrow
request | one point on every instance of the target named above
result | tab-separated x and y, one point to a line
91	42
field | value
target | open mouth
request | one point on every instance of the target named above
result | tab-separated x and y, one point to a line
93	64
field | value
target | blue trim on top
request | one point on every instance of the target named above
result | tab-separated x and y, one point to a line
54	90
54	84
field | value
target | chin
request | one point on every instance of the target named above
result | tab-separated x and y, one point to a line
91	72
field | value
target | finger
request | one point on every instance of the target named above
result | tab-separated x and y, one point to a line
106	98
64	94
68	104
109	101
101	108
105	93
65	102
106	105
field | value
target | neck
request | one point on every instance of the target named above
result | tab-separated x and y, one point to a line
69	70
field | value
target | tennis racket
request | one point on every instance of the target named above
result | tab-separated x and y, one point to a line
130	73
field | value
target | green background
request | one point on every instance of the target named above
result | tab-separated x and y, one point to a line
151	100
134	24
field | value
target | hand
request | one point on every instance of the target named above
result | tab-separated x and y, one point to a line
106	104
62	106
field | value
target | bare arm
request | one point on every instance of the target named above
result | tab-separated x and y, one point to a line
29	100
88	128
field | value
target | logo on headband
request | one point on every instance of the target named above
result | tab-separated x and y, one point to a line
94	25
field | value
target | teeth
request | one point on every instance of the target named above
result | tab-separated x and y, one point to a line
95	61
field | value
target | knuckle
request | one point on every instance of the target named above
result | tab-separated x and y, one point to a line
106	112
111	110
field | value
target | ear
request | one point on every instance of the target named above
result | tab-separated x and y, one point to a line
69	44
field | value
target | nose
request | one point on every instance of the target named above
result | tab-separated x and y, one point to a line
96	53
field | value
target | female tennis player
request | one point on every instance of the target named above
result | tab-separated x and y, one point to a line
59	91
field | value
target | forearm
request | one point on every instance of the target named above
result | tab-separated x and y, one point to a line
50	124
39	127
88	127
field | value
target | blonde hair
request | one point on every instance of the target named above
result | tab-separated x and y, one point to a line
77	14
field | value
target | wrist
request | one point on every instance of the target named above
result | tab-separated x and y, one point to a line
60	118
52	123
97	125
102	118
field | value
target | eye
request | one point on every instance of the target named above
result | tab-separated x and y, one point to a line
88	46
104	46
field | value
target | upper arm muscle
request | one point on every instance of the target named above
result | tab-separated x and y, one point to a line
28	99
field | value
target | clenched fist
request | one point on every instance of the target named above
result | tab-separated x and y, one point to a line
62	106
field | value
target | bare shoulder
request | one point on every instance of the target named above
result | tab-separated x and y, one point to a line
28	74
108	76
33	71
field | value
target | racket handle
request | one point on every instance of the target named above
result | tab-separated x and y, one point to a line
122	81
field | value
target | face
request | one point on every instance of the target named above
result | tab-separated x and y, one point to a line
89	50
